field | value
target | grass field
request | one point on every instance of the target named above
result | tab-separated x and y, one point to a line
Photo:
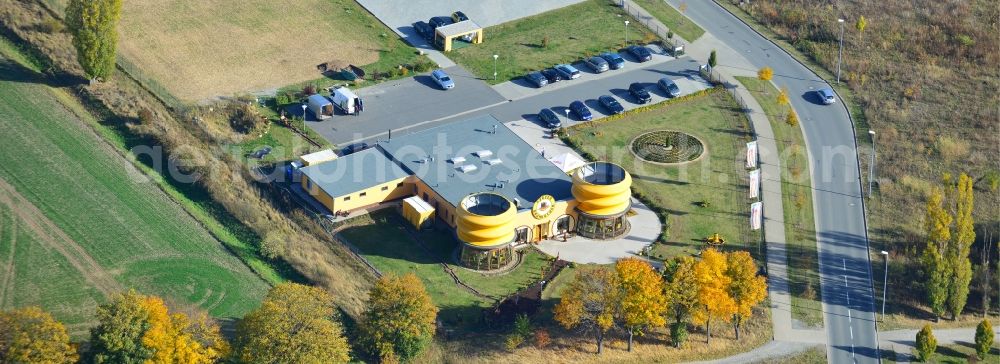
673	19
953	354
816	355
385	243
718	177
573	32
75	207
195	50
796	200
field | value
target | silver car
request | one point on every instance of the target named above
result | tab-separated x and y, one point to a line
443	79
826	96
597	64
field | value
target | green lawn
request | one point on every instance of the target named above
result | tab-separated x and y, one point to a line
953	354
673	19
816	355
796	198
718	177
104	206
572	33
384	242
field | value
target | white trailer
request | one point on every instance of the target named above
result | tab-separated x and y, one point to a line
346	101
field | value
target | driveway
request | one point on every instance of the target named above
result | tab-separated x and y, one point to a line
399	15
402	103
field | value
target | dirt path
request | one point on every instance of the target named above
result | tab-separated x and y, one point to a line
50	235
7	271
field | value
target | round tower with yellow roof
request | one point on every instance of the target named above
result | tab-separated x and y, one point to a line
603	194
485	226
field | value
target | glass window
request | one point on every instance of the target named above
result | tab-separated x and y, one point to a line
363	194
384	188
348	198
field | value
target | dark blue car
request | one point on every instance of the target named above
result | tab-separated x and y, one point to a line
581	110
642	54
613	106
615	61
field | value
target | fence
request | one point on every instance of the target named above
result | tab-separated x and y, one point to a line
651	23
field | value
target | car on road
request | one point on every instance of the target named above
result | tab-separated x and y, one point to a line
552	75
639	93
581	110
536	78
440	21
597	64
669	87
611	104
640	53
549	118
568	72
442	79
354	148
424	30
615	60
459	16
826	96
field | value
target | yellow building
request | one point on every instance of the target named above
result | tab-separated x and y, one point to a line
482	181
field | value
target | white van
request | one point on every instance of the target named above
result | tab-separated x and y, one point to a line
346	101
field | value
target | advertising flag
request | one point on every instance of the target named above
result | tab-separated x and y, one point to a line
755	183
756	215
752	154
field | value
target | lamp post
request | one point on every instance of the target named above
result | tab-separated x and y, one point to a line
304	112
885	280
871	165
840	53
567	113
495	66
626	33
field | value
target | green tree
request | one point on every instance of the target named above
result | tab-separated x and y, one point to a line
746	288
400	318
936	268
588	303
926	343
94	26
712	59
984	338
294	324
642	302
958	251
682	296
30	335
860	25
122	323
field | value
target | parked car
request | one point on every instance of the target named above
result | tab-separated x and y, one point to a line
581	110
549	118
615	61
424	30
639	93
611	104
536	78
354	148
597	64
640	53
669	87
826	96
568	72
552	75
443	79
458	16
440	21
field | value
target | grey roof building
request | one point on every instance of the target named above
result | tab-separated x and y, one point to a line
354	172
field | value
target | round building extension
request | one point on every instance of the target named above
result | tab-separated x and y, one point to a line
485	226
604	196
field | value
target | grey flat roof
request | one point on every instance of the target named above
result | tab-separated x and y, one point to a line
354	172
462	27
523	173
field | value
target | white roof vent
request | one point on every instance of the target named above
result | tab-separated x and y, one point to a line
493	161
483	153
467	168
458	160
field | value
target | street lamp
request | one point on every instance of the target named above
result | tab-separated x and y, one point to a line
871	165
304	112
567	113
495	66
840	54
885	280
626	33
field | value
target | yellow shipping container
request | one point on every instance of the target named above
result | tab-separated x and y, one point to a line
417	211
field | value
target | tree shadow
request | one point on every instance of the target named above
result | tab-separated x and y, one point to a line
14	72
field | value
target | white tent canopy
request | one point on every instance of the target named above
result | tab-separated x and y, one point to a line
567	161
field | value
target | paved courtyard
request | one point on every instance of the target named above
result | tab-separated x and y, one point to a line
646	228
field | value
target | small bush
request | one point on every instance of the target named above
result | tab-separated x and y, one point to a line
542	338
984	338
951	149
513	341
678	334
51	26
545	42
309	90
992	180
926	343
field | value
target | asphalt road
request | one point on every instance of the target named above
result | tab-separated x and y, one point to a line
840	228
586	89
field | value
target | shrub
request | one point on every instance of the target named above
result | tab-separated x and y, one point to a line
522	326
545	42
542	338
309	90
984	338
951	149
245	119
51	26
992	179
513	341
926	343
678	333
792	119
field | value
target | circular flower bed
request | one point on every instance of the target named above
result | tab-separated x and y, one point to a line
667	147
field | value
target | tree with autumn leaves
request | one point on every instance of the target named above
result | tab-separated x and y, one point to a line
400	318
30	335
634	298
948	225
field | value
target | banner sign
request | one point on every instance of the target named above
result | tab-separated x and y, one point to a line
756	215
755	183
752	154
